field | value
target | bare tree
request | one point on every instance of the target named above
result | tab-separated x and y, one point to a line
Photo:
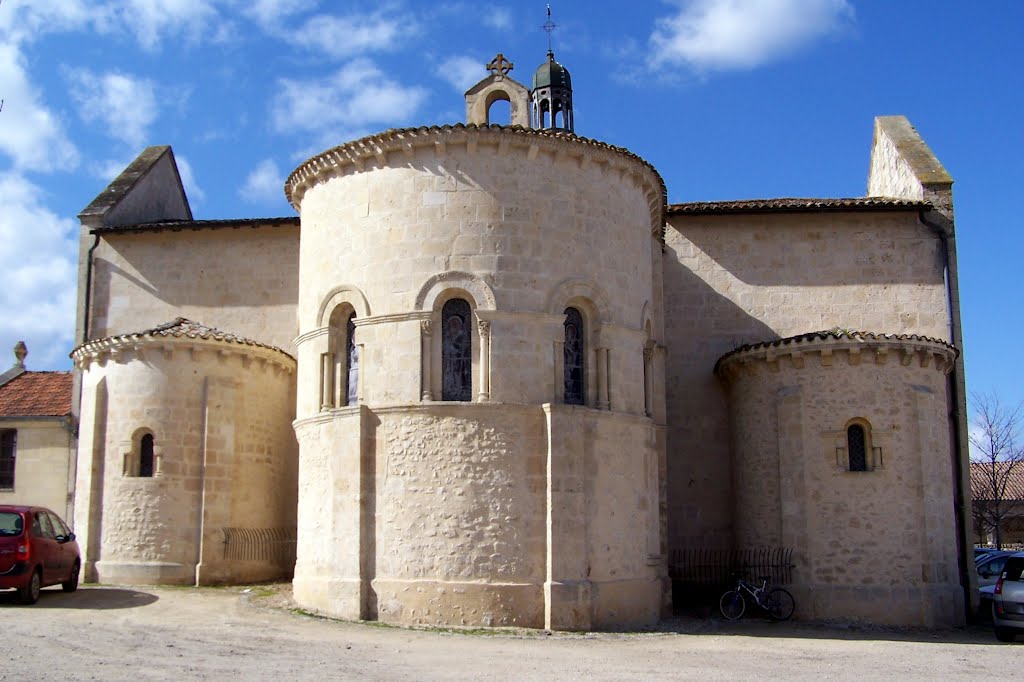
997	465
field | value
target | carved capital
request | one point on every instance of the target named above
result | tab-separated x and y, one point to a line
425	327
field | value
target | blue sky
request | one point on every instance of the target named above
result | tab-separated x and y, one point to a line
729	99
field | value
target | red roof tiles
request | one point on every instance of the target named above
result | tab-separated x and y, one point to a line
37	394
797	204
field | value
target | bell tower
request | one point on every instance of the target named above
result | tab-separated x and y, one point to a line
551	91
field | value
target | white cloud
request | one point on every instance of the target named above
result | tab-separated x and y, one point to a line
270	13
30	134
264	184
193	191
125	104
38	256
150	22
720	35
352	35
359	94
497	17
153	20
462	72
24	20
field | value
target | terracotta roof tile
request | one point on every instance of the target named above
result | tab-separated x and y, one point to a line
37	394
181	327
178	225
796	204
838	333
980	489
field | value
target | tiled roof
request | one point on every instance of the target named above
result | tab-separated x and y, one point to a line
838	333
37	394
178	225
183	328
980	475
792	205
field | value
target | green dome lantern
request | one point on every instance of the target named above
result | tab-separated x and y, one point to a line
551	97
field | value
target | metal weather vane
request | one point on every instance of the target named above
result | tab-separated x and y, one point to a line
549	27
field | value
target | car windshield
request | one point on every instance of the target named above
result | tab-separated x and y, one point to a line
11	524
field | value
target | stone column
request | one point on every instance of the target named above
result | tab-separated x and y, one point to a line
648	380
426	351
602	379
484	327
559	365
567	589
326	381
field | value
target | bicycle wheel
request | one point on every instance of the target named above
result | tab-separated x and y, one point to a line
779	604
732	605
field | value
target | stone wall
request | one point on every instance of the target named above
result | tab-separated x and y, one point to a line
242	280
746	278
485	514
43	472
876	545
224	458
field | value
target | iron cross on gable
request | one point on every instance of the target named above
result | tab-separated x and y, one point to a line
499	66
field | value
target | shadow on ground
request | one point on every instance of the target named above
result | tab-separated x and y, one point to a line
97	598
979	633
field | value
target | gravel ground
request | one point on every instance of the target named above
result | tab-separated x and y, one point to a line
125	633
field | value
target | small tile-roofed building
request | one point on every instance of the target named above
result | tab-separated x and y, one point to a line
37	437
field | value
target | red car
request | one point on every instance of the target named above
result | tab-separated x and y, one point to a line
36	549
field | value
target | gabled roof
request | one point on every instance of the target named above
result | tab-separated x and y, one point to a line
981	488
37	394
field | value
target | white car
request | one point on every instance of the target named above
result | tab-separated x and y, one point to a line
1008	599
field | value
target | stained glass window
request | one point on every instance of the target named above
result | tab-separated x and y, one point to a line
573	357
856	446
456	351
352	354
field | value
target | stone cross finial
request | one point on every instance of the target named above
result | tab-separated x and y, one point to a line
20	351
499	66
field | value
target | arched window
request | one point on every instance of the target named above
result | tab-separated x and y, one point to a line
352	360
456	351
339	382
573	350
146	456
856	446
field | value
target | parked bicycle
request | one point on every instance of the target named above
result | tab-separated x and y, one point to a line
777	602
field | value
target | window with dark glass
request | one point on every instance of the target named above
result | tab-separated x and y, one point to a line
573	357
8	439
146	456
352	355
856	446
456	351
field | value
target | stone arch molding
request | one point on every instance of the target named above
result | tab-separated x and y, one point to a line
476	287
346	293
578	288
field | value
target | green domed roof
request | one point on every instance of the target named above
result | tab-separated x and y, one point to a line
553	74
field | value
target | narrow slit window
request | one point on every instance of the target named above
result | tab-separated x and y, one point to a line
146	456
352	355
856	445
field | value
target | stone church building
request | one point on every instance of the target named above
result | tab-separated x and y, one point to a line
489	376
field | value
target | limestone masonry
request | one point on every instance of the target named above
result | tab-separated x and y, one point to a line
489	376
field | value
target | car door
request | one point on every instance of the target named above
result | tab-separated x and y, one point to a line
63	537
44	546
